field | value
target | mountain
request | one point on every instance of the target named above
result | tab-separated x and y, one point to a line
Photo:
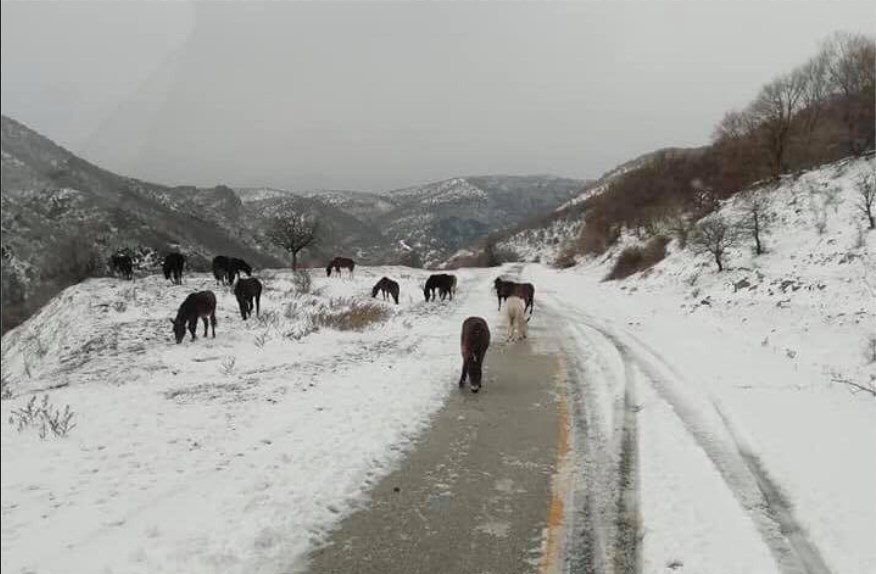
63	216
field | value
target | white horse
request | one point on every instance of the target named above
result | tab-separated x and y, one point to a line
515	308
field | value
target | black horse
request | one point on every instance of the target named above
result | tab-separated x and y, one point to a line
201	305
247	290
173	267
386	285
474	343
122	265
339	263
442	282
227	269
525	291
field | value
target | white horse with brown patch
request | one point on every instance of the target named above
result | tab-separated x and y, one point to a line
515	309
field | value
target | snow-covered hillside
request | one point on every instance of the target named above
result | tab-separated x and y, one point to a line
219	455
774	351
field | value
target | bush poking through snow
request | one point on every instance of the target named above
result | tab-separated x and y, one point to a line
755	219
260	340
866	188
639	257
356	317
43	417
566	257
303	281
870	348
5	388
227	366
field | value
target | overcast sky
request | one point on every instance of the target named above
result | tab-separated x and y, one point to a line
376	95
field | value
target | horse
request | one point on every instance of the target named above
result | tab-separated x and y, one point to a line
338	263
123	265
235	266
246	290
386	285
200	305
443	282
220	268
474	343
515	308
173	267
525	291
227	269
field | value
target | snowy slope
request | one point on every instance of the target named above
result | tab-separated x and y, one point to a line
268	433
738	379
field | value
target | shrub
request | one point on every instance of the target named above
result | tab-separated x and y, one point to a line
566	257
44	417
302	280
639	257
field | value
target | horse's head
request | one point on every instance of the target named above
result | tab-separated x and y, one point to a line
497	284
328	270
179	329
474	373
245	267
374	290
426	293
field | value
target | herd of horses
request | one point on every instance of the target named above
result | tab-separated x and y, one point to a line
474	342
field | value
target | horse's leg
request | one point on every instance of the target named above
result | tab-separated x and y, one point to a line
258	304
193	326
464	373
213	323
206	323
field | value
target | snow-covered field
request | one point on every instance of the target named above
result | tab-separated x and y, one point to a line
220	455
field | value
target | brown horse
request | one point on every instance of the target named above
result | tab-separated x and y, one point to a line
474	343
247	290
442	282
339	263
525	291
386	285
201	305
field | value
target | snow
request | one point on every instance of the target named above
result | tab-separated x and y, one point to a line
238	454
219	455
738	384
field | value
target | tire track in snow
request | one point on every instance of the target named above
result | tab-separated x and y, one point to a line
606	534
741	470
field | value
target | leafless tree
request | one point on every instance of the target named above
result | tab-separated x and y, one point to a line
866	187
815	77
714	235
293	231
755	220
850	61
774	111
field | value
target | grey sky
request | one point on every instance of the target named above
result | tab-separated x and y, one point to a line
375	95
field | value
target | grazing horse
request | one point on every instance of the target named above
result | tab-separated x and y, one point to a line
227	269
339	263
443	282
474	343
246	290
173	267
122	264
525	291
200	305
515	308
386	285
235	266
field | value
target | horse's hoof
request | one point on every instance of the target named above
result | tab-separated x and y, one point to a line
475	389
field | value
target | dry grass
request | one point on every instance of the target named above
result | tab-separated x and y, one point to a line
355	317
639	257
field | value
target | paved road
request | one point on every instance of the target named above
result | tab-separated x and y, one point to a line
475	495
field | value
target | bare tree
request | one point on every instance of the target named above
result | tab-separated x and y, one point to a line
866	187
851	59
293	232
815	78
774	111
755	220
714	235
